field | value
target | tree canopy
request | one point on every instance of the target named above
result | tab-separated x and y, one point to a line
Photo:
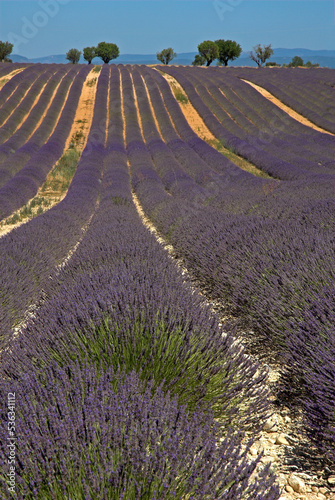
208	50
166	55
199	60
107	51
261	54
73	55
228	50
89	53
296	61
5	49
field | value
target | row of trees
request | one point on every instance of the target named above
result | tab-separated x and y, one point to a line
228	50
222	50
106	52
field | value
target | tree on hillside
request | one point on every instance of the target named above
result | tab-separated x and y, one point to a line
311	65
89	53
107	51
261	54
296	61
199	60
209	50
166	55
5	49
228	50
73	55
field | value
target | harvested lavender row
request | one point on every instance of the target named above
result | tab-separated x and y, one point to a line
262	159
15	98
209	157
16	141
23	186
24	106
163	100
27	244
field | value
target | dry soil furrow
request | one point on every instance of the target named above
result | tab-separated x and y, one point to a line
84	114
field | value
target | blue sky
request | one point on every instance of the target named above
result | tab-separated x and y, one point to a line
44	27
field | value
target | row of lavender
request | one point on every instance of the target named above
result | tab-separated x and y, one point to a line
279	130
22	108
309	93
33	251
7	68
123	367
265	247
255	128
29	79
28	133
26	170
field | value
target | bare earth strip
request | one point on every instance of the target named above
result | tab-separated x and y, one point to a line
293	114
50	191
84	114
200	128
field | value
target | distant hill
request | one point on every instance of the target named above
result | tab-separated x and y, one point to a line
281	56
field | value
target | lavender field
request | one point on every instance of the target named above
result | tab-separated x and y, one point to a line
140	374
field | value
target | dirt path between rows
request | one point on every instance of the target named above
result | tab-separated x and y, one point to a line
293	114
84	114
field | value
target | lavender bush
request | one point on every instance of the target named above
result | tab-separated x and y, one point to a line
85	433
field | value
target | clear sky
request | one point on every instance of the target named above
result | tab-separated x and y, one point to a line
46	27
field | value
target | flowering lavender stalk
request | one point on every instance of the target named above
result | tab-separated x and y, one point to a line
85	433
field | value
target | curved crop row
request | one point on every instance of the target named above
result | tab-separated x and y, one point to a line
278	128
27	128
32	257
24	106
290	87
23	184
135	361
7	68
15	152
13	91
259	146
270	264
